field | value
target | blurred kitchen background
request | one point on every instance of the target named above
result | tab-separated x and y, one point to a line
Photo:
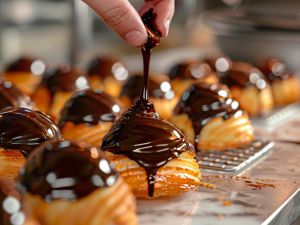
68	31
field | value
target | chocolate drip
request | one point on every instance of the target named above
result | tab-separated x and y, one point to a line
144	137
64	78
10	204
202	102
90	107
274	69
65	170
23	129
11	96
104	66
133	87
190	70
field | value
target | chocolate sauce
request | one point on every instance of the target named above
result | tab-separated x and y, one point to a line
23	129
64	78
274	69
190	70
202	102
11	96
133	87
10	204
65	170
104	66
90	107
23	64
144	137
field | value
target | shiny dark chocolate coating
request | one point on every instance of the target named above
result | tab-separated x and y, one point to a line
144	137
22	64
65	170
10	198
133	87
23	129
274	69
64	78
202	102
11	96
90	107
190	70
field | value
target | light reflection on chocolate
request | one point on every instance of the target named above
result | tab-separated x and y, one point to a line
27	64
275	69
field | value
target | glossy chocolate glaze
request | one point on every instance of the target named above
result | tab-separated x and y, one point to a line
190	70
144	137
64	78
65	170
203	102
90	107
22	64
11	96
274	69
10	204
23	129
133	87
104	66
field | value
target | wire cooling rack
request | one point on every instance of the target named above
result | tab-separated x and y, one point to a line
233	160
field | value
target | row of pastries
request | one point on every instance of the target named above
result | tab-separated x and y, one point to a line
68	147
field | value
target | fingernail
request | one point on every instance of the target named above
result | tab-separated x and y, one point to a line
167	26
136	38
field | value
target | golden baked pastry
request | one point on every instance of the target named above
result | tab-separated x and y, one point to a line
90	193
152	155
159	90
211	118
88	116
107	73
57	87
184	74
21	130
285	85
25	73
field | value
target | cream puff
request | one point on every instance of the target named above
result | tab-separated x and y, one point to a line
25	73
159	90
107	73
57	87
88	116
285	85
211	119
66	183
21	130
184	74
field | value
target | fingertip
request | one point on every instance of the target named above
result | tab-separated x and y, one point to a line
136	38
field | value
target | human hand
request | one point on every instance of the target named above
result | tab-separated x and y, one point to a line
121	16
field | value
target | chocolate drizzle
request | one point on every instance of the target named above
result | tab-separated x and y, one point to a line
11	96
144	137
133	87
90	107
65	170
202	102
23	129
274	69
64	78
10	204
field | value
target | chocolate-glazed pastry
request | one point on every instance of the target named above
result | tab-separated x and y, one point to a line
87	116
285	85
56	190
11	96
154	150
25	73
57	87
12	211
247	85
107	73
211	118
159	90
22	130
184	74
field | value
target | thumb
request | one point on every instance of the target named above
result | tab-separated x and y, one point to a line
120	16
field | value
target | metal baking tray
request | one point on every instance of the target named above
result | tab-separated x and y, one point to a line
234	160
